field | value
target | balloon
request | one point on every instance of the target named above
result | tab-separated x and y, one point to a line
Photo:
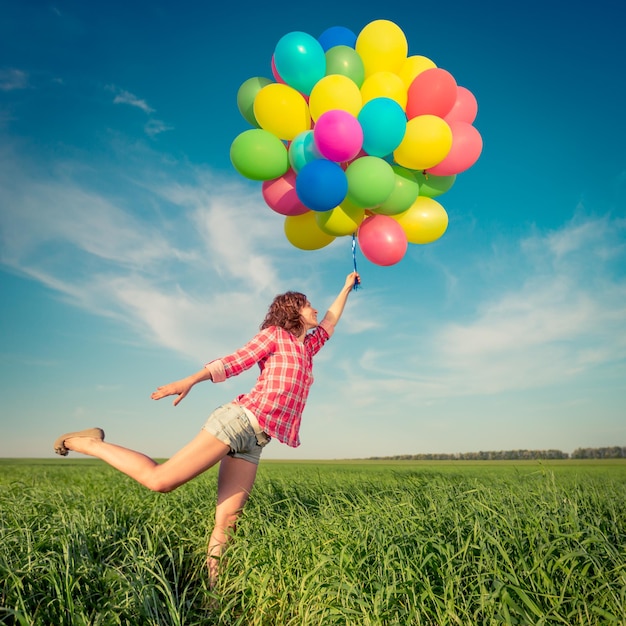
424	222
337	36
432	92
334	92
384	123
383	47
246	95
370	181
300	60
282	110
382	240
403	195
342	220
384	85
302	150
465	107
413	66
259	155
321	185
467	144
432	186
303	232
345	61
426	142
338	135
275	73
280	195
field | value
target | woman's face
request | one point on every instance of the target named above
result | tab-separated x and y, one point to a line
309	316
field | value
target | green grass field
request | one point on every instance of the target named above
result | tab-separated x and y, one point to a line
358	543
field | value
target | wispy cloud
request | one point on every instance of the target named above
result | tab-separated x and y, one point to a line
164	260
125	97
156	127
12	79
561	315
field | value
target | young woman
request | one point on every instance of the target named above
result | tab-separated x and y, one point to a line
235	434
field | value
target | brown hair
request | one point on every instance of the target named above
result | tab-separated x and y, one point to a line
285	312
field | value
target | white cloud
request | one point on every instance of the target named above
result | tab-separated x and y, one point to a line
125	97
562	315
156	127
12	79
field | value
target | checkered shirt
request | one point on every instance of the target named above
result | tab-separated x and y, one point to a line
280	392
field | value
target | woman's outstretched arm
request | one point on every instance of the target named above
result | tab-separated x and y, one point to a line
336	308
181	387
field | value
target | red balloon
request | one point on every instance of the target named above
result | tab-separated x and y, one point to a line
465	109
382	240
467	144
432	92
280	195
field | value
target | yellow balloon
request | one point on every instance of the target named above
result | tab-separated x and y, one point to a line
413	66
282	111
424	221
303	232
342	220
334	91
382	46
384	85
426	142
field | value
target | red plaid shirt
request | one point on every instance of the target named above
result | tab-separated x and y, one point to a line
279	395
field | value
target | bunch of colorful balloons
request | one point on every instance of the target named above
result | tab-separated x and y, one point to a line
353	137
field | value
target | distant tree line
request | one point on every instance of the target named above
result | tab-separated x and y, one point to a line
613	452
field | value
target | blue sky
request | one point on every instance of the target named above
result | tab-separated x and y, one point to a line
131	251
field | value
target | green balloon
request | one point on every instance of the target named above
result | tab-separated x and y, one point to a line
259	155
246	95
404	193
347	62
370	181
433	186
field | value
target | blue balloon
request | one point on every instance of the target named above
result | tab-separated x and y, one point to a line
300	60
321	185
383	122
337	36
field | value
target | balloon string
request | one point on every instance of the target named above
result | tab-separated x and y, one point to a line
356	282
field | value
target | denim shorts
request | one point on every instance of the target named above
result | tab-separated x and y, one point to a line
231	425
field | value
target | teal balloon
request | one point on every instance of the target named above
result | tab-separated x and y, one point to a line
300	60
404	192
383	122
347	62
432	186
259	155
370	181
303	150
246	95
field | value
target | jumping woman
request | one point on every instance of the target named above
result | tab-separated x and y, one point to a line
235	434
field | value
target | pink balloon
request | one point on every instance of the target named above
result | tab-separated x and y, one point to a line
280	195
465	108
467	144
382	240
275	73
432	92
338	135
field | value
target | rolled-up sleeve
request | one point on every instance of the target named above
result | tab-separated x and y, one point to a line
218	374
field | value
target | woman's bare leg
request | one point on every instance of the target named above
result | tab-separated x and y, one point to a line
198	455
235	481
